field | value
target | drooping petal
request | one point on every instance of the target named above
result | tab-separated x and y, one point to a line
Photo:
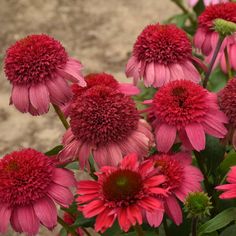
5	214
173	210
64	177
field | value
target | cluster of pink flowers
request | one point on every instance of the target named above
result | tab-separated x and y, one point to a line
130	185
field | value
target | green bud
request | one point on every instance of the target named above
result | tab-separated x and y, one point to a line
224	27
197	204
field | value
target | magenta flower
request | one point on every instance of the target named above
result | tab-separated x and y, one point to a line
124	193
206	37
181	179
104	122
230	189
38	67
227	102
185	109
30	185
192	3
162	53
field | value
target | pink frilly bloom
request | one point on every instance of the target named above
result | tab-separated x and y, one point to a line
105	123
230	189
192	3
227	102
184	110
38	68
206	38
124	193
30	185
162	53
181	179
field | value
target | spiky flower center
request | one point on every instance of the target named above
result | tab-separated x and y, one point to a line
122	185
34	59
180	103
24	177
101	116
225	11
164	44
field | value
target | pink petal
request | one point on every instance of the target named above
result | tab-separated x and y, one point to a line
104	221
155	180
190	72
206	46
149	74
173	210
114	155
154	218
199	38
165	137
39	98
60	194
232	56
20	98
128	89
64	177
93	208
46	211
176	72
84	153
129	162
134	212
15	222
162	75
228	194
123	220
196	135
223	64
27	219
5	214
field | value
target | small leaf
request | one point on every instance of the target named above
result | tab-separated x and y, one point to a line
219	221
63	232
54	151
82	221
230	160
230	231
199	7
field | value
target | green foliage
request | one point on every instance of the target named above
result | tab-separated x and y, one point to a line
199	7
229	231
230	160
217	80
54	151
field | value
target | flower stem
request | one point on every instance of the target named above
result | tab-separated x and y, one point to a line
194	226
86	231
61	116
185	10
217	49
138	229
165	226
229	71
65	226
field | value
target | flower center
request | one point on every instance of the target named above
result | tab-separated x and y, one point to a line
24	176
180	103
226	11
101	116
171	169
122	185
34	59
164	44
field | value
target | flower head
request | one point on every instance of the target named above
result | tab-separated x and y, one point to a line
123	193
227	102
185	108
230	189
162	53
37	67
181	179
106	123
30	185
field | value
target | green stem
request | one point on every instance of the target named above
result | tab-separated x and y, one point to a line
229	71
185	10
165	226
138	229
217	49
194	226
65	226
61	116
86	231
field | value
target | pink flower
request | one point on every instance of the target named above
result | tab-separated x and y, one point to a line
230	189
185	108
124	193
192	3
162	53
206	38
227	102
30	185
181	179
38	67
104	122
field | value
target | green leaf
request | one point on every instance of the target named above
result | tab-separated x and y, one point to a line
82	221
230	160
217	80
63	232
54	151
114	230
199	7
219	221
230	231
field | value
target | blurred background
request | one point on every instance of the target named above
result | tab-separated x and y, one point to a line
100	33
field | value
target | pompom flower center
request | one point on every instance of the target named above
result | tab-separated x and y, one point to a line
171	169
34	59
180	103
226	11
24	177
102	115
122	185
163	44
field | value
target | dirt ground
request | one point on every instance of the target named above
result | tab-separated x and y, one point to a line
100	33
